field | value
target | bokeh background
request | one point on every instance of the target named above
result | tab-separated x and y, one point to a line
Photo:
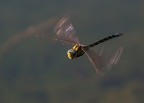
35	69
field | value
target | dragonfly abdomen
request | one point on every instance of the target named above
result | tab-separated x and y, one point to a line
105	39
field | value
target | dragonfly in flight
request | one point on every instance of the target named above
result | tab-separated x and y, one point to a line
66	33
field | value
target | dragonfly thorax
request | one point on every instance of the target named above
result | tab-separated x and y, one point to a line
75	52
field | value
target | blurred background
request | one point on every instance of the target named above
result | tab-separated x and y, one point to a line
35	69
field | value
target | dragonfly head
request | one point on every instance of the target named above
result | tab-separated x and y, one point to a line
71	54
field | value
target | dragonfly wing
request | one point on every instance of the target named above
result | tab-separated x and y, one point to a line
65	31
100	62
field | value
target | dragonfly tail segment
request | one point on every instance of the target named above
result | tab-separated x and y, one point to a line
105	39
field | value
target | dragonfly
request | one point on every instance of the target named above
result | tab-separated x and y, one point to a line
65	32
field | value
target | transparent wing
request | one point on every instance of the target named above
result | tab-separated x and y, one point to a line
65	31
102	63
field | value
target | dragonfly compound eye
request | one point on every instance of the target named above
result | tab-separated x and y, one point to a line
71	54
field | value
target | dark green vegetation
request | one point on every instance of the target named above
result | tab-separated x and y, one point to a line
34	70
